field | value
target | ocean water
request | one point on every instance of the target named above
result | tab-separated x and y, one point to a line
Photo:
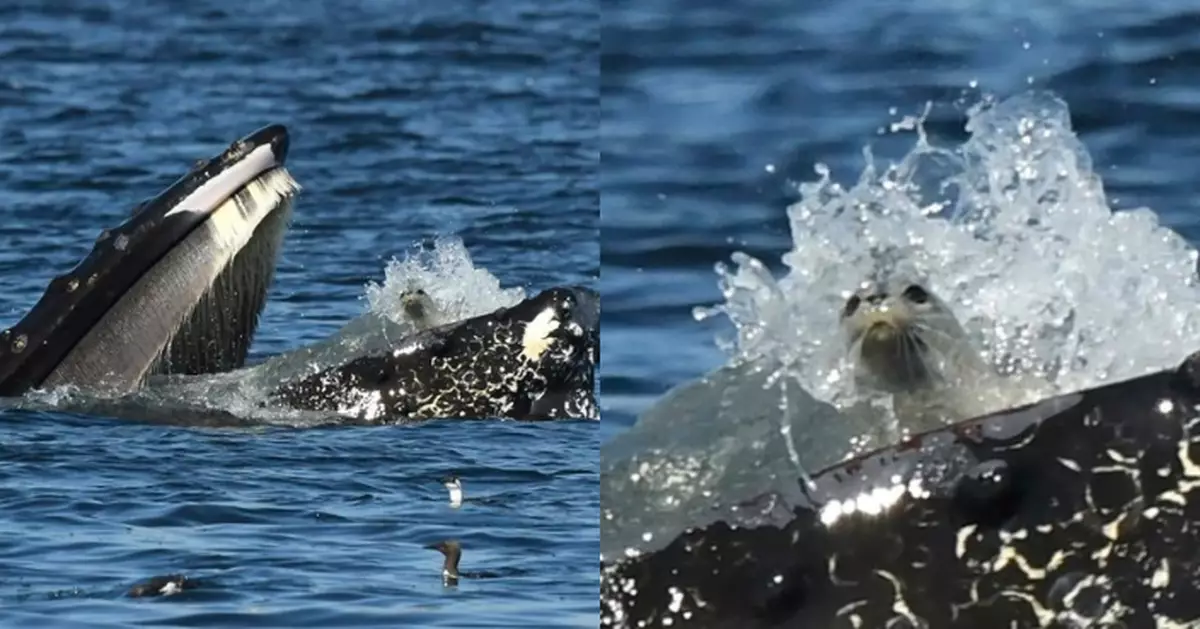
714	113
409	120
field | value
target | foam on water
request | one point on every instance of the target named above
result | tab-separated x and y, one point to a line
1012	229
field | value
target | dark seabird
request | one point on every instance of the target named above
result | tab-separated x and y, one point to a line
164	585
452	550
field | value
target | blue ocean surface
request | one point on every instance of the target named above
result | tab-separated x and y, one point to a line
712	112
408	120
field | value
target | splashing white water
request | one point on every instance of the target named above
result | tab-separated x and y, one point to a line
446	273
1014	232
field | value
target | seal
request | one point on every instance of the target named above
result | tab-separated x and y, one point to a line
905	342
420	308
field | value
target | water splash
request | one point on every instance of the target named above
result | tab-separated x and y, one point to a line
445	271
1015	233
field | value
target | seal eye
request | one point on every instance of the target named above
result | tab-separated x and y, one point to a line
916	294
851	305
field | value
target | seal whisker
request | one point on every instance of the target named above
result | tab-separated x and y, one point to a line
904	341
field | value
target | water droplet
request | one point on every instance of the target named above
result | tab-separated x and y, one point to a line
18	344
72	284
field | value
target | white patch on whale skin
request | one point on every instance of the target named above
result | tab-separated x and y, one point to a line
537	334
217	190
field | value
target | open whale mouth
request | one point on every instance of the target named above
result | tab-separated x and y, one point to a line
176	288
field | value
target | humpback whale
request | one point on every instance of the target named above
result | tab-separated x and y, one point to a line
1080	510
533	361
176	289
170	299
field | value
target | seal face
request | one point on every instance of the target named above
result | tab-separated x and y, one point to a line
905	342
902	337
420	308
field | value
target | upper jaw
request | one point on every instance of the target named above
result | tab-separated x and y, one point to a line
211	182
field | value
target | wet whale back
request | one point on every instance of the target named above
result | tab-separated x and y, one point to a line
1079	506
533	360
